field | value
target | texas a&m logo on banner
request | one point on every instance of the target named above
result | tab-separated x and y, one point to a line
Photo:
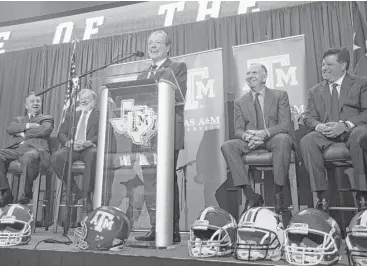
285	60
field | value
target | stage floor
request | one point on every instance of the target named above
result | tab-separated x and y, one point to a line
60	254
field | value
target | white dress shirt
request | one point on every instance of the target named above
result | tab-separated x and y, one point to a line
86	123
158	64
338	87
261	98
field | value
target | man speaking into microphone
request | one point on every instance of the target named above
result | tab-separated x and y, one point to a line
159	46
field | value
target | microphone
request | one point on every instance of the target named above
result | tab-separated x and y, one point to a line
138	53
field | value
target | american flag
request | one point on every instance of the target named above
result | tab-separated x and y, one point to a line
72	87
359	59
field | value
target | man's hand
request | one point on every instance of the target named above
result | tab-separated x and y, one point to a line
86	144
262	134
255	142
334	129
33	125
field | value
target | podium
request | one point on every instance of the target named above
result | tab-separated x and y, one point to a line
140	109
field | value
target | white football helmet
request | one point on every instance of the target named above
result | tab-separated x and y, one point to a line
312	238
356	239
16	225
212	234
260	235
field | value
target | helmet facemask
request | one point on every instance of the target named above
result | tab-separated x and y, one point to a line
309	247
14	232
210	241
356	241
80	234
255	243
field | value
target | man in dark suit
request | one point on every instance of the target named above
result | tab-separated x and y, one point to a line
336	112
262	120
30	145
159	45
85	143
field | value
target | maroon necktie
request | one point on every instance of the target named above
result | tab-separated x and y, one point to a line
259	113
334	112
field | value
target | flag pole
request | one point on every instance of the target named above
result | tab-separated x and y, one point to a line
73	90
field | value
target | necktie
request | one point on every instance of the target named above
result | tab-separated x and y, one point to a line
152	71
259	113
81	134
31	117
334	112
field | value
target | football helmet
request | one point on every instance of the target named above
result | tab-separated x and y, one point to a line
312	238
260	235
16	225
103	229
212	234
356	239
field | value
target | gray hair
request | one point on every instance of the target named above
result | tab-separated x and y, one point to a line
84	91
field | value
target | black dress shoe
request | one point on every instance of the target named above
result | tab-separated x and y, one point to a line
150	236
25	198
279	203
361	203
6	198
323	205
256	201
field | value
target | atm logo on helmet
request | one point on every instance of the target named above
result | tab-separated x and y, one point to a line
102	221
137	122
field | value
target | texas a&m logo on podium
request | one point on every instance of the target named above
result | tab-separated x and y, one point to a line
137	122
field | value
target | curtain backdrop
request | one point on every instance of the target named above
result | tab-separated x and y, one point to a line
324	24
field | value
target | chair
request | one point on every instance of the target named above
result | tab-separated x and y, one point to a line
16	171
76	169
337	155
262	160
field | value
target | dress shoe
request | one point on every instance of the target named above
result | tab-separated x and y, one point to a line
279	203
361	203
150	236
25	198
87	205
256	201
323	205
6	198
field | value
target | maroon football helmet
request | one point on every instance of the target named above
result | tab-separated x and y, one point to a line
104	228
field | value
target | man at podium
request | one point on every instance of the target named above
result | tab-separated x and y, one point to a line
159	45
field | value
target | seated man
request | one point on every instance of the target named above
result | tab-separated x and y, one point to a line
30	145
336	112
86	138
262	119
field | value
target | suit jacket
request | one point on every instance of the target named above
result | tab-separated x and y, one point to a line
92	130
276	112
38	138
92	127
352	102
179	69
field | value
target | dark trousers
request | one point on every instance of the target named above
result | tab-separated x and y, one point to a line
363	142
59	163
150	191
29	159
314	144
281	147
